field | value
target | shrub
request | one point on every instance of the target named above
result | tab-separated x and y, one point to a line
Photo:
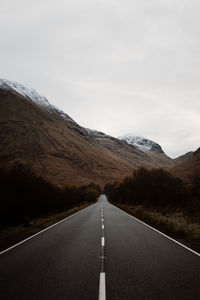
154	188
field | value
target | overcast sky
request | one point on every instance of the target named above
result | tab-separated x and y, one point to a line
119	66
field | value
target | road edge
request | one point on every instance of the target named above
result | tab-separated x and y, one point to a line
43	230
156	230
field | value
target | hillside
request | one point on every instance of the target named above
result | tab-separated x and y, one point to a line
184	157
38	135
189	167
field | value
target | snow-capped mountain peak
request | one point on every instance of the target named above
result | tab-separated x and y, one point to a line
141	143
32	95
22	90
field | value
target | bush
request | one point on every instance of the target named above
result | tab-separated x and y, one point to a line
153	188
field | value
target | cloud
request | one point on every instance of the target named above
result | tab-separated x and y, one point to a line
117	66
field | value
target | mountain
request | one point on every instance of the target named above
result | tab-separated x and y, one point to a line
31	95
189	167
141	143
42	137
149	159
184	157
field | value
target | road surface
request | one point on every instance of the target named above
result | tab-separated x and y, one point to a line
99	253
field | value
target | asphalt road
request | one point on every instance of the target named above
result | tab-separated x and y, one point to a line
67	261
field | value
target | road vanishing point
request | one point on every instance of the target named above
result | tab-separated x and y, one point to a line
99	253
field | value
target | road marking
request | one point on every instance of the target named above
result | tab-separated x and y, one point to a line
32	236
102	279
102	286
159	232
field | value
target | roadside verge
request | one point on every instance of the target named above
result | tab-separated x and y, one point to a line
11	235
188	236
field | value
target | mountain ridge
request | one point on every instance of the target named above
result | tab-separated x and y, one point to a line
32	95
52	144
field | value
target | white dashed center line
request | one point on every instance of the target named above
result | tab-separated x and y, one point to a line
102	286
102	278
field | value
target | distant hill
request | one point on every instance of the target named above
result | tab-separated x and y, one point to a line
42	137
184	157
188	167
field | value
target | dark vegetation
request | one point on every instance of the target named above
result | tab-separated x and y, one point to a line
24	196
158	189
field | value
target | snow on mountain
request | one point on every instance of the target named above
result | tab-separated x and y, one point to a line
96	133
22	90
141	143
32	95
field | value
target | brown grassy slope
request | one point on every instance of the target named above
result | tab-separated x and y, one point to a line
183	158
132	156
61	150
188	168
